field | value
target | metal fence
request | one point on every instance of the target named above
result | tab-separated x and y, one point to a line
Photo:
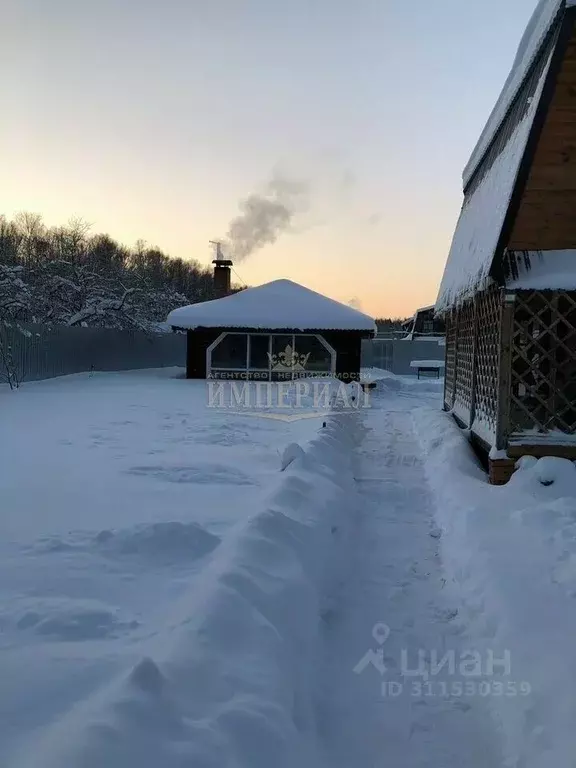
395	355
42	352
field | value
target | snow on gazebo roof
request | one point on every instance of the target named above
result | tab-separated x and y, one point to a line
488	198
281	304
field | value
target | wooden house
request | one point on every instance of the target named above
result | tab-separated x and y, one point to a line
508	295
274	332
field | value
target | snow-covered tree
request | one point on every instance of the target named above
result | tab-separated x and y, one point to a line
63	275
15	295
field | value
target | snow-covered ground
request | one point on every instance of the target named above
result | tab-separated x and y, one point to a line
393	615
114	491
178	589
510	560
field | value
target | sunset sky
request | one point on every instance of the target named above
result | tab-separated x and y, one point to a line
153	120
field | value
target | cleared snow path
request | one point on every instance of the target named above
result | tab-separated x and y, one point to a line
393	602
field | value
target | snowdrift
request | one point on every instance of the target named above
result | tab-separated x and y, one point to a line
510	555
229	683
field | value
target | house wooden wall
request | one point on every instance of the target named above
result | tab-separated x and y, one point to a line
546	217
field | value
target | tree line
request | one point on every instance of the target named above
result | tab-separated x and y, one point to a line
67	275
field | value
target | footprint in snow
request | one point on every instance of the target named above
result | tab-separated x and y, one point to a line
207	474
446	615
70	620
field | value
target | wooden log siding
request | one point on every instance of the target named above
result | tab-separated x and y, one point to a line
546	217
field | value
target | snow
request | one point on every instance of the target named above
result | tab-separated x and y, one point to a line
510	559
498	455
116	491
542	20
436	339
60	292
552	270
482	217
427	364
276	593
281	304
537	437
482	428
228	680
392	610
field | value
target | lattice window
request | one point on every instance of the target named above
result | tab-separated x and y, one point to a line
464	362
450	380
543	394
489	309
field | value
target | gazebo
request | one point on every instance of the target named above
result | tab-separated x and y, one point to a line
508	295
277	331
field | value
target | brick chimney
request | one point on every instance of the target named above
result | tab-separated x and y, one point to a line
221	273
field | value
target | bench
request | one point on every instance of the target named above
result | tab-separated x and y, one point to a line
428	366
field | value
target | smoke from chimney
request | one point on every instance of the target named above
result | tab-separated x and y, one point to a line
355	303
266	216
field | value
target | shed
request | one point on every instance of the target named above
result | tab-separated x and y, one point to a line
277	331
425	324
508	294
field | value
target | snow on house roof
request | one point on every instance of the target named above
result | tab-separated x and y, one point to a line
542	21
483	214
548	270
276	305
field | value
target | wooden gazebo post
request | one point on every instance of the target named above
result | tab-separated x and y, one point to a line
455	343
474	376
501	467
